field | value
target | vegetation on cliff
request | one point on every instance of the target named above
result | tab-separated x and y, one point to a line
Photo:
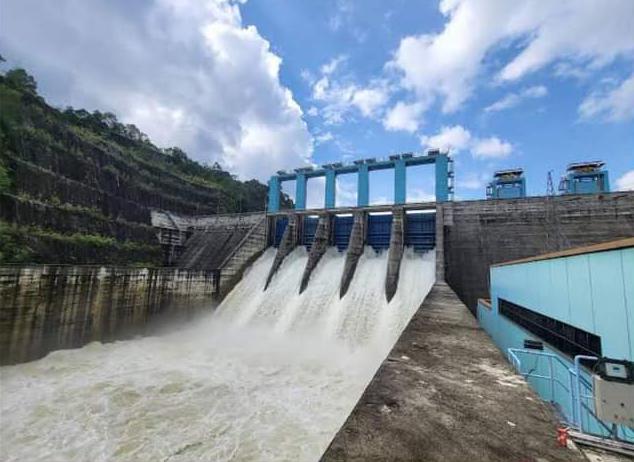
77	187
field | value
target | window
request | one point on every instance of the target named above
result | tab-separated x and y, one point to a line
566	338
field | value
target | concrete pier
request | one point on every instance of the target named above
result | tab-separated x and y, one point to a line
317	250
446	393
395	254
355	250
289	242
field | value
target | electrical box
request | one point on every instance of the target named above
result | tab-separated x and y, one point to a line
614	391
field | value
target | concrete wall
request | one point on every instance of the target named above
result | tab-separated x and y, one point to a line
251	246
46	307
184	239
477	234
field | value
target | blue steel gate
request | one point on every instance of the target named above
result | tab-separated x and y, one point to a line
420	231
308	231
342	229
379	231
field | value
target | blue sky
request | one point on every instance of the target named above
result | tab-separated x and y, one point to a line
263	85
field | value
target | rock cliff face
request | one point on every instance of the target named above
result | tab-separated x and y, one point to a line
77	187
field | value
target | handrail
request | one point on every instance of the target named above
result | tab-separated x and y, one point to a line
242	241
516	361
578	386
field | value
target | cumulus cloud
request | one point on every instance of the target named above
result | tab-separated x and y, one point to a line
513	99
626	182
369	100
457	138
187	72
492	147
453	139
403	116
445	65
325	137
612	103
341	97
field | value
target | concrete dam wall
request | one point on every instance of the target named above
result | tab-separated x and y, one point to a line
46	307
477	234
214	251
269	375
352	235
50	307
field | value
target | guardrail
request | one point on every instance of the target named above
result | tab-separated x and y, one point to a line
579	391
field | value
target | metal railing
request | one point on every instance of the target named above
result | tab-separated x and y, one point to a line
579	389
514	359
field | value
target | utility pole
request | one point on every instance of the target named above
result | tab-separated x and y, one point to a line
550	188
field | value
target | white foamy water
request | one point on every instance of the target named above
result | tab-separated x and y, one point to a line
269	376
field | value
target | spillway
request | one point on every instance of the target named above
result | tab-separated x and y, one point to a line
268	376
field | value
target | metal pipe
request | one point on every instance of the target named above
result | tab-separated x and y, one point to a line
578	359
552	379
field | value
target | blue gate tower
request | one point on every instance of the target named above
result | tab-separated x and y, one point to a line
362	167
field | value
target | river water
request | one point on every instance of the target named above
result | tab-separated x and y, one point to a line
269	376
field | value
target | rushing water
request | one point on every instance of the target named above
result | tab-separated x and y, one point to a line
268	376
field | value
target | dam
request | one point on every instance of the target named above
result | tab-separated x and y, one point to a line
355	333
269	376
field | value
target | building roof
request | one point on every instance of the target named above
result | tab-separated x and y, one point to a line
601	247
509	172
595	164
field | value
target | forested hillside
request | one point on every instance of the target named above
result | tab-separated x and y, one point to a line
77	187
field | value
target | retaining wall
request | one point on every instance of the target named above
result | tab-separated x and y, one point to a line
477	234
45	308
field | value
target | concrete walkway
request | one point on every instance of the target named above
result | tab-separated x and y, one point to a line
446	393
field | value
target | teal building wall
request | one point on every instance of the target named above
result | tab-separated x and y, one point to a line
591	291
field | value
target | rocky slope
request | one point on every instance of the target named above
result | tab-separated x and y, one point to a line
77	187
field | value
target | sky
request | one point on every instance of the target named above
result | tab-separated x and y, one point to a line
263	85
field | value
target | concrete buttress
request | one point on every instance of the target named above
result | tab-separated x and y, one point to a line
395	254
355	250
288	243
317	250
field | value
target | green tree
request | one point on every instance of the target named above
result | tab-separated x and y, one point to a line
5	181
21	80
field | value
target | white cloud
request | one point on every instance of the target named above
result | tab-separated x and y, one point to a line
187	72
457	138
346	192
626	182
513	99
324	138
315	193
340	97
492	147
445	66
312	111
403	116
331	66
342	20
453	139
369	100
613	103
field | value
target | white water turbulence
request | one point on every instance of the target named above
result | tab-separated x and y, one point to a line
269	376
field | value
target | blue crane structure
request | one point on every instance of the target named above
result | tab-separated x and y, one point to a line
362	167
